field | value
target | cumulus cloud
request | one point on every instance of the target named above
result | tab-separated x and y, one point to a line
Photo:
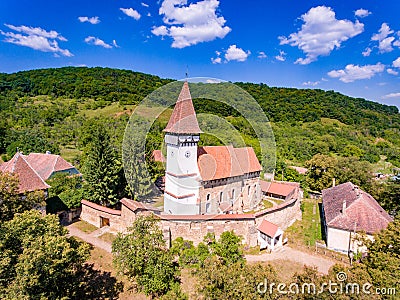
392	72
362	13
261	55
216	60
396	63
384	38
391	95
235	53
92	20
281	56
191	24
367	51
160	30
321	33
355	72
130	12
36	38
311	83
91	40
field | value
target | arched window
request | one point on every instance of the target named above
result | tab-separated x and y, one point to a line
221	196
208	197
248	190
233	194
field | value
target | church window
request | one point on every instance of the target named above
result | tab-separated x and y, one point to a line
208	197
233	194
221	196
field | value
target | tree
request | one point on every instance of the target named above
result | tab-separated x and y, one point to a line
320	171
236	281
383	258
65	188
102	170
143	257
353	170
228	248
11	201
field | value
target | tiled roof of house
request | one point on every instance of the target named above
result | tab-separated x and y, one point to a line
300	170
158	156
268	228
217	162
29	179
46	164
277	188
135	205
183	118
361	212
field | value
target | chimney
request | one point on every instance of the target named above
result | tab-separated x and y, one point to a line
344	207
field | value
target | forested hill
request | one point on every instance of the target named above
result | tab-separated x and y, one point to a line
42	104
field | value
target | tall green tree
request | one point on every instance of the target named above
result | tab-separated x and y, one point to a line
11	202
320	173
102	169
37	259
143	257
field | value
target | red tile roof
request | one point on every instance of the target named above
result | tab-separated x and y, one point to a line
300	170
29	179
158	156
268	228
217	162
277	188
362	212
101	208
183	118
135	205
46	164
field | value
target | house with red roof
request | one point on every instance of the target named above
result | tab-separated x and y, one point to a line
347	210
29	178
279	189
269	235
209	179
47	164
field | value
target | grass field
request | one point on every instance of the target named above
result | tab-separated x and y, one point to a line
308	230
85	227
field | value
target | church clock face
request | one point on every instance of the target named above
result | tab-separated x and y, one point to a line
187	154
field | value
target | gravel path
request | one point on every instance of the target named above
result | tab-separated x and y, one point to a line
288	253
89	238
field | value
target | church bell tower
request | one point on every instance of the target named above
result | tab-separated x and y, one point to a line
182	176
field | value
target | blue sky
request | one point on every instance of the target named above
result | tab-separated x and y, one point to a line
348	46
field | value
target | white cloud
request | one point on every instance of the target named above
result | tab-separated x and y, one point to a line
91	40
261	55
130	12
384	39
115	44
281	56
36	38
160	30
194	23
235	53
367	51
391	95
396	63
355	72
92	20
321	33
392	72
144	4
311	83
362	13
216	60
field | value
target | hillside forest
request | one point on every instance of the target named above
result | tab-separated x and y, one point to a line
61	110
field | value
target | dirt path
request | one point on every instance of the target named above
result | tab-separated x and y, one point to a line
288	253
90	238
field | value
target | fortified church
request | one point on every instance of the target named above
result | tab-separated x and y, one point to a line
209	179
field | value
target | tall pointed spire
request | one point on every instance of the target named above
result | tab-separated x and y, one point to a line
183	118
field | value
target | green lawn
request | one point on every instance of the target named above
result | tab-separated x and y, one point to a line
308	230
85	226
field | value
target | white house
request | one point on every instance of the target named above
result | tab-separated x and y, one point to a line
347	210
